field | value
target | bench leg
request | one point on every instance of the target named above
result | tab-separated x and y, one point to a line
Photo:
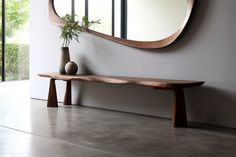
67	97
179	113
52	94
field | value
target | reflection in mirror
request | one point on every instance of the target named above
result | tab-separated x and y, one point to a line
79	10
146	20
150	20
117	17
138	23
102	10
62	7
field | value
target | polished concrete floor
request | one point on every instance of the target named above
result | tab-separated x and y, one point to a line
29	129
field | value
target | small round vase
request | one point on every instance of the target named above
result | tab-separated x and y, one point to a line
71	68
64	58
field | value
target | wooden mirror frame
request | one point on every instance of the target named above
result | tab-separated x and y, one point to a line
55	19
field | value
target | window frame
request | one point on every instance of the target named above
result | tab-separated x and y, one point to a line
3	41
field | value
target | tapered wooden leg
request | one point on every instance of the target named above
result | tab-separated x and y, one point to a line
67	97
52	94
179	113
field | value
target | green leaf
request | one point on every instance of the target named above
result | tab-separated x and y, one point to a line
71	29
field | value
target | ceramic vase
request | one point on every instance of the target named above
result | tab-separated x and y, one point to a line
71	68
64	58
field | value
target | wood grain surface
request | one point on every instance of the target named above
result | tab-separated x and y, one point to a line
152	82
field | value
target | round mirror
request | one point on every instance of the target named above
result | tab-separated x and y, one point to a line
137	23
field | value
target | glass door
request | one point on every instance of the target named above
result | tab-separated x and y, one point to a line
16	40
1	52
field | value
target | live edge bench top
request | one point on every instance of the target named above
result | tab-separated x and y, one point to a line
179	111
152	82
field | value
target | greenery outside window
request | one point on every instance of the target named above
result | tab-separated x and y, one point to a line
14	40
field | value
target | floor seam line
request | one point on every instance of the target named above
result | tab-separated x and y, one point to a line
55	139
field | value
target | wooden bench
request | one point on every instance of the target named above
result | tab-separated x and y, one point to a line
179	113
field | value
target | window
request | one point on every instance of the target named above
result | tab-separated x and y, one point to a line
14	62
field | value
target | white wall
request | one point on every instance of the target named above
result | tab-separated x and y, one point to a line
205	51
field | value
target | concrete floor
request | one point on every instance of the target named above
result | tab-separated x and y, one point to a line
29	129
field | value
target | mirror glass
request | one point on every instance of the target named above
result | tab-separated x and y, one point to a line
150	20
101	9
62	7
79	8
136	20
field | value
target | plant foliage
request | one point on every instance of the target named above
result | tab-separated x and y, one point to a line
72	29
17	61
17	13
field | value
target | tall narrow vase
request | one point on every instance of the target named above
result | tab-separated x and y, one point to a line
64	58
